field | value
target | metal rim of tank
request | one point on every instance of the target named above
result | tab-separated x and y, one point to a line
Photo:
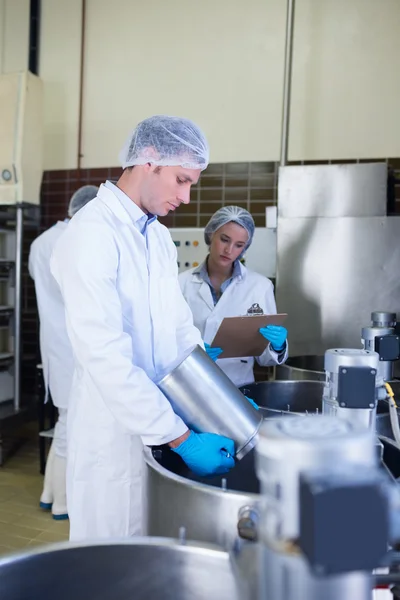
167	542
203	487
268	412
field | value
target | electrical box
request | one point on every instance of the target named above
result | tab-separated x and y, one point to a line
192	249
21	135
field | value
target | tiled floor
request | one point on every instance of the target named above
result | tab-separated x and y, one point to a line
22	523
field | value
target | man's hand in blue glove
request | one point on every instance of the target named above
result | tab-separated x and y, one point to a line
276	335
253	403
207	453
212	352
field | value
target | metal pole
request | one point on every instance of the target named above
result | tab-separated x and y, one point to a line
287	81
17	305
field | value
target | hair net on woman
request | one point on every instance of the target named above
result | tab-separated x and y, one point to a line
166	141
81	197
230	214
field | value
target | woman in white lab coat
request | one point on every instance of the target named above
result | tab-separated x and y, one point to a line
223	287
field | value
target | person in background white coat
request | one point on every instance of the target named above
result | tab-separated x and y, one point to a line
55	351
223	287
127	320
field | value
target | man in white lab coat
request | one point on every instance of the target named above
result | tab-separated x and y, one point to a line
56	352
127	320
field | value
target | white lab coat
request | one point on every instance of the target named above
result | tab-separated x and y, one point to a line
245	290
127	321
55	347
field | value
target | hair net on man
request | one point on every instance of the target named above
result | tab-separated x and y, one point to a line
230	214
166	141
81	197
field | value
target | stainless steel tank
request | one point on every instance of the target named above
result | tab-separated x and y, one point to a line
215	510
207	400
311	368
280	398
144	569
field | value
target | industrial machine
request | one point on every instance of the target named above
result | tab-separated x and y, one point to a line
327	516
322	488
353	386
381	337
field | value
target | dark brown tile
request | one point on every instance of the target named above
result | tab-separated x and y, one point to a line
187	209
394	163
263	168
259	207
185	220
315	162
54	187
343	162
262	180
294	163
115	172
207	182
236	181
234	195
103	173
371	160
397	191
237	169
168	221
204	220
61	174
211	195
214	169
209	207
263	194
259	220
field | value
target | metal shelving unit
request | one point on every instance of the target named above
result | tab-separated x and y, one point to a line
13	409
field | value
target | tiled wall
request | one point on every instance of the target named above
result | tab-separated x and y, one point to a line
251	185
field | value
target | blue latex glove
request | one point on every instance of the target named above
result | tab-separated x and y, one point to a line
253	403
207	453
212	352
276	335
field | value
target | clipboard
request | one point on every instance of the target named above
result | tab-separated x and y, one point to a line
240	336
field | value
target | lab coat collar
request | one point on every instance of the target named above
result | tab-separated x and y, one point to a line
240	275
204	290
107	196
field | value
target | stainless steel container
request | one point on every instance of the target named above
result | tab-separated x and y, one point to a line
207	400
144	569
210	509
206	509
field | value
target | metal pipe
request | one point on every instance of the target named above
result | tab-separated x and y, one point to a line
17	304
81	81
287	81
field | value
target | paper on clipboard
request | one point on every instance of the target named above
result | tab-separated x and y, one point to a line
240	336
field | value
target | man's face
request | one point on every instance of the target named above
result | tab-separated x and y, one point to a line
165	188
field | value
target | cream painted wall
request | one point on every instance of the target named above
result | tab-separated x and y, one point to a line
59	65
221	63
14	35
346	80
217	62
